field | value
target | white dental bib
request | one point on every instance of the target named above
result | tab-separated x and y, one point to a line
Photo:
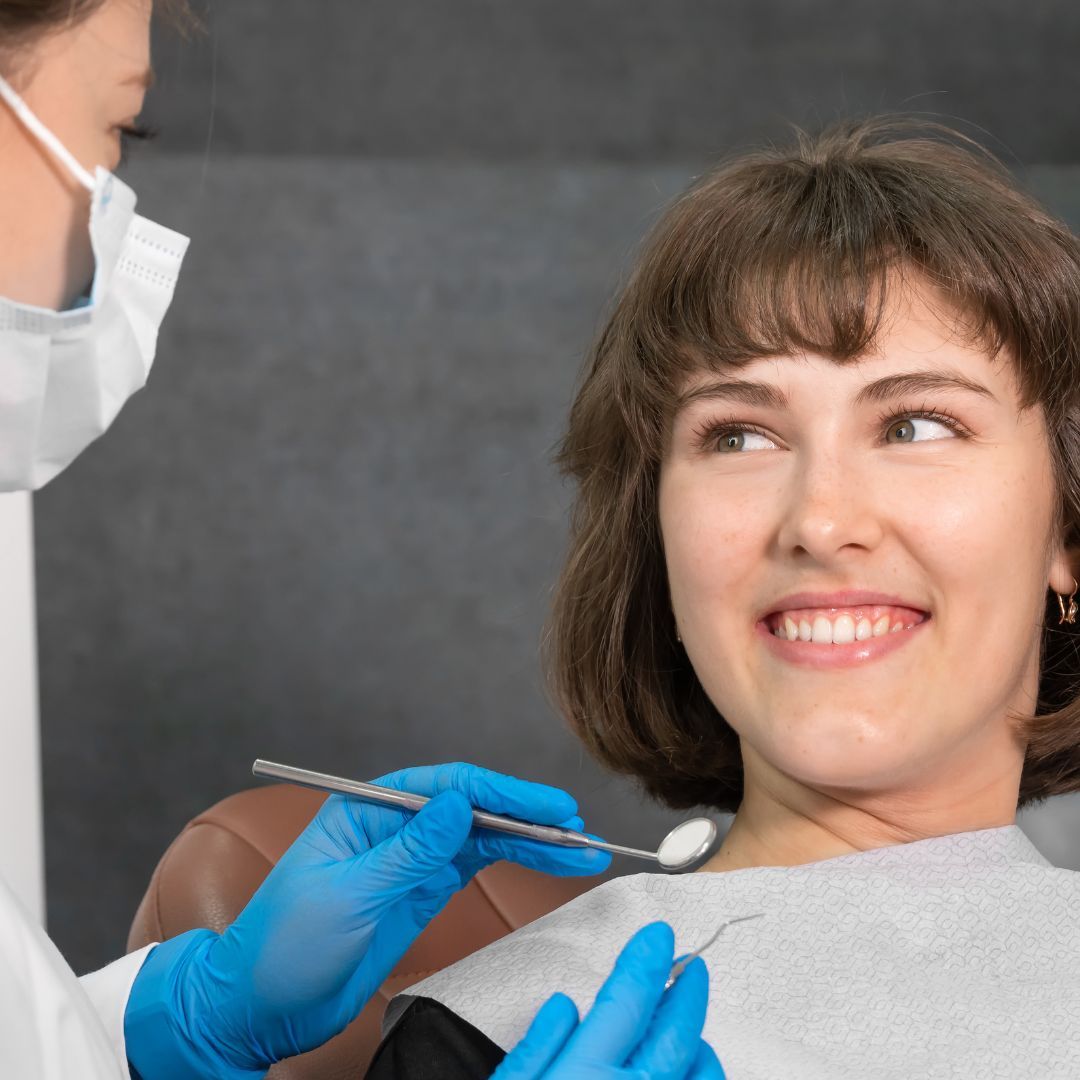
956	957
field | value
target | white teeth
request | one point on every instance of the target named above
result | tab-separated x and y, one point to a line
842	630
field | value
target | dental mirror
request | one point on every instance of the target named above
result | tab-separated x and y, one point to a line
686	844
681	848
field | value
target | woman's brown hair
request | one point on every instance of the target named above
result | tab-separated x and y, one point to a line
778	251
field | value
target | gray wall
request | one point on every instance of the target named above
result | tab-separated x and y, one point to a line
327	532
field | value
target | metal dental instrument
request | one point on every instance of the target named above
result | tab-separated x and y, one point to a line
683	846
681	965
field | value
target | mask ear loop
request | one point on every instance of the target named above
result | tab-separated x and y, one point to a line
44	135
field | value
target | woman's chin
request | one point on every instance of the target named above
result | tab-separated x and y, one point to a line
852	757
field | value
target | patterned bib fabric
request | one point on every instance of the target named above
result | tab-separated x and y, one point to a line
954	957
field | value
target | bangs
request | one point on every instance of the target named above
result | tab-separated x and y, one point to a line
784	255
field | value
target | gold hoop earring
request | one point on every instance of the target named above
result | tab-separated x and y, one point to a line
1068	616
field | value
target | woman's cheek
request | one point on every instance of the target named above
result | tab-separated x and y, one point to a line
712	544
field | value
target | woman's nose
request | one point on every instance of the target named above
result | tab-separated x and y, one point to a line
831	504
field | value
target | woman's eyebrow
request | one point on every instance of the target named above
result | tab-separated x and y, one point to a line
886	388
920	382
742	390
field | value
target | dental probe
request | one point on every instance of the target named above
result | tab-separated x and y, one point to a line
685	844
681	965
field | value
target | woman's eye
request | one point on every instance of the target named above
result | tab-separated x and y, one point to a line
901	427
913	429
741	439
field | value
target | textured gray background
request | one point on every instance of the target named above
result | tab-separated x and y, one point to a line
327	532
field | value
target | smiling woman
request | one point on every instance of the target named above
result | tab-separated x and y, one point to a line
853	365
827	449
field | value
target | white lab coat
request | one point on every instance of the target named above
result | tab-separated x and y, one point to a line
55	1026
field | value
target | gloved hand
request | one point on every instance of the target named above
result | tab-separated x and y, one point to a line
634	1029
329	923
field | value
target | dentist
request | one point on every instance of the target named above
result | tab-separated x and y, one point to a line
84	285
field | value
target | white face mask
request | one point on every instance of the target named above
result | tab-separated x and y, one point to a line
64	375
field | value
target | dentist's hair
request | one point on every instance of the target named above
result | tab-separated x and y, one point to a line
24	19
24	22
793	249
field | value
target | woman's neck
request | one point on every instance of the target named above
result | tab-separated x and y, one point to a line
800	840
783	823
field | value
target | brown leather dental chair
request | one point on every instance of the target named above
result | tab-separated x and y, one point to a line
209	872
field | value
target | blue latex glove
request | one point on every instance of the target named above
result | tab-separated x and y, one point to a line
329	923
634	1029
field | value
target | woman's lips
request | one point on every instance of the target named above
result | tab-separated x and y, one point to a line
830	656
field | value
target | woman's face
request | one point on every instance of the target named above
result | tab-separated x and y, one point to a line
86	83
825	479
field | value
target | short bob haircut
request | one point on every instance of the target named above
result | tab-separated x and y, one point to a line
782	251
